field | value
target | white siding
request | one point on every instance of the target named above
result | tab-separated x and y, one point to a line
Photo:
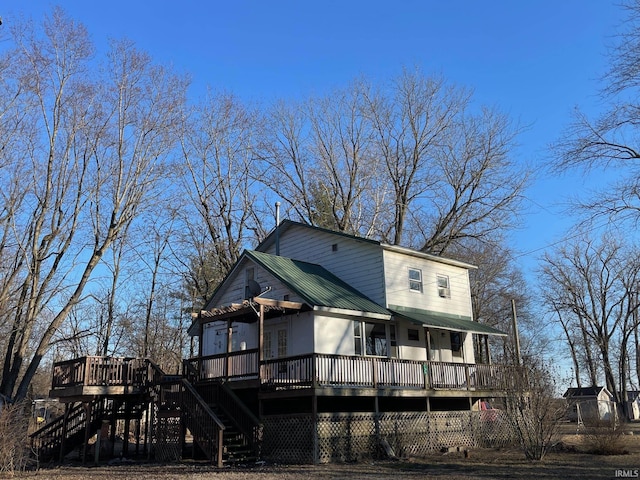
396	266
356	262
441	347
334	335
234	291
410	349
301	334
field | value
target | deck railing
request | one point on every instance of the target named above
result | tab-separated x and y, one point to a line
317	370
99	371
321	370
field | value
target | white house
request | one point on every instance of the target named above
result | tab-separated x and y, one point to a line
317	346
320	312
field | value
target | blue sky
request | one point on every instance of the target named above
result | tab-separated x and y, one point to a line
534	60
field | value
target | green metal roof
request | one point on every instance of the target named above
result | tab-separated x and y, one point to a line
315	284
444	321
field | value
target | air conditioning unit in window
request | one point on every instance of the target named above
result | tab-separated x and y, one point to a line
444	292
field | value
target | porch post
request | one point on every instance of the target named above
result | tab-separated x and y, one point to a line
427	335
486	347
260	343
261	335
229	340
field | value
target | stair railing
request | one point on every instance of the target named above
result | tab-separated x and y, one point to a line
206	427
239	413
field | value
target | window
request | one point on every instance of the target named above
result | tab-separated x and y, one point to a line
456	343
415	280
334	247
413	335
357	337
376	339
443	286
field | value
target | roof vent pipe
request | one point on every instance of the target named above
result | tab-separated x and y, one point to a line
277	228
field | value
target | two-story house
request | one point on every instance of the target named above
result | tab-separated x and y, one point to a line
316	346
315	322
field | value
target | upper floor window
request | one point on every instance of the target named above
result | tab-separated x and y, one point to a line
444	290
415	280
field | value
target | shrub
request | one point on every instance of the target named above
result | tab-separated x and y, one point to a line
532	410
14	449
604	437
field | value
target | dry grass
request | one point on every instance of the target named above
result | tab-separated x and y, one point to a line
567	461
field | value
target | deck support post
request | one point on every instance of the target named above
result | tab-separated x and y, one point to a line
112	435
65	425
127	428
87	429
376	417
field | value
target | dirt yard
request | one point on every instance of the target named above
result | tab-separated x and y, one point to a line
567	462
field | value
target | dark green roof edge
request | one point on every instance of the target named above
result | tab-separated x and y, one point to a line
444	320
305	278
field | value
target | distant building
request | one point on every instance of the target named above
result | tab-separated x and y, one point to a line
590	403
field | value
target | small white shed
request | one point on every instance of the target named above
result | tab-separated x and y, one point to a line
590	403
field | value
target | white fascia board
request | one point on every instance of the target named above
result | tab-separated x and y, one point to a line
428	256
353	313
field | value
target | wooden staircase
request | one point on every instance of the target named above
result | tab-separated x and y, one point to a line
223	435
71	430
223	429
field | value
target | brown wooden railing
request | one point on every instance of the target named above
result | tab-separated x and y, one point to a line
55	438
235	365
219	394
99	371
206	427
319	370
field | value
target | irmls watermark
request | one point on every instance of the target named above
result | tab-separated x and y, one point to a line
628	473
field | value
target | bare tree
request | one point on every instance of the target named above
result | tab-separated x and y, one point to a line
217	145
320	157
533	410
409	163
495	284
610	141
592	287
95	148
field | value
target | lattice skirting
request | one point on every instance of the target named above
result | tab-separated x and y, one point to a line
167	441
349	437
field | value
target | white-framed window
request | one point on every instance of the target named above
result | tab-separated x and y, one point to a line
415	279
444	290
375	339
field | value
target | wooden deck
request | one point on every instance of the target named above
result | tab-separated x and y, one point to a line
322	371
92	376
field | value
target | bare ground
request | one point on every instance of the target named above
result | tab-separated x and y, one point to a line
568	462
